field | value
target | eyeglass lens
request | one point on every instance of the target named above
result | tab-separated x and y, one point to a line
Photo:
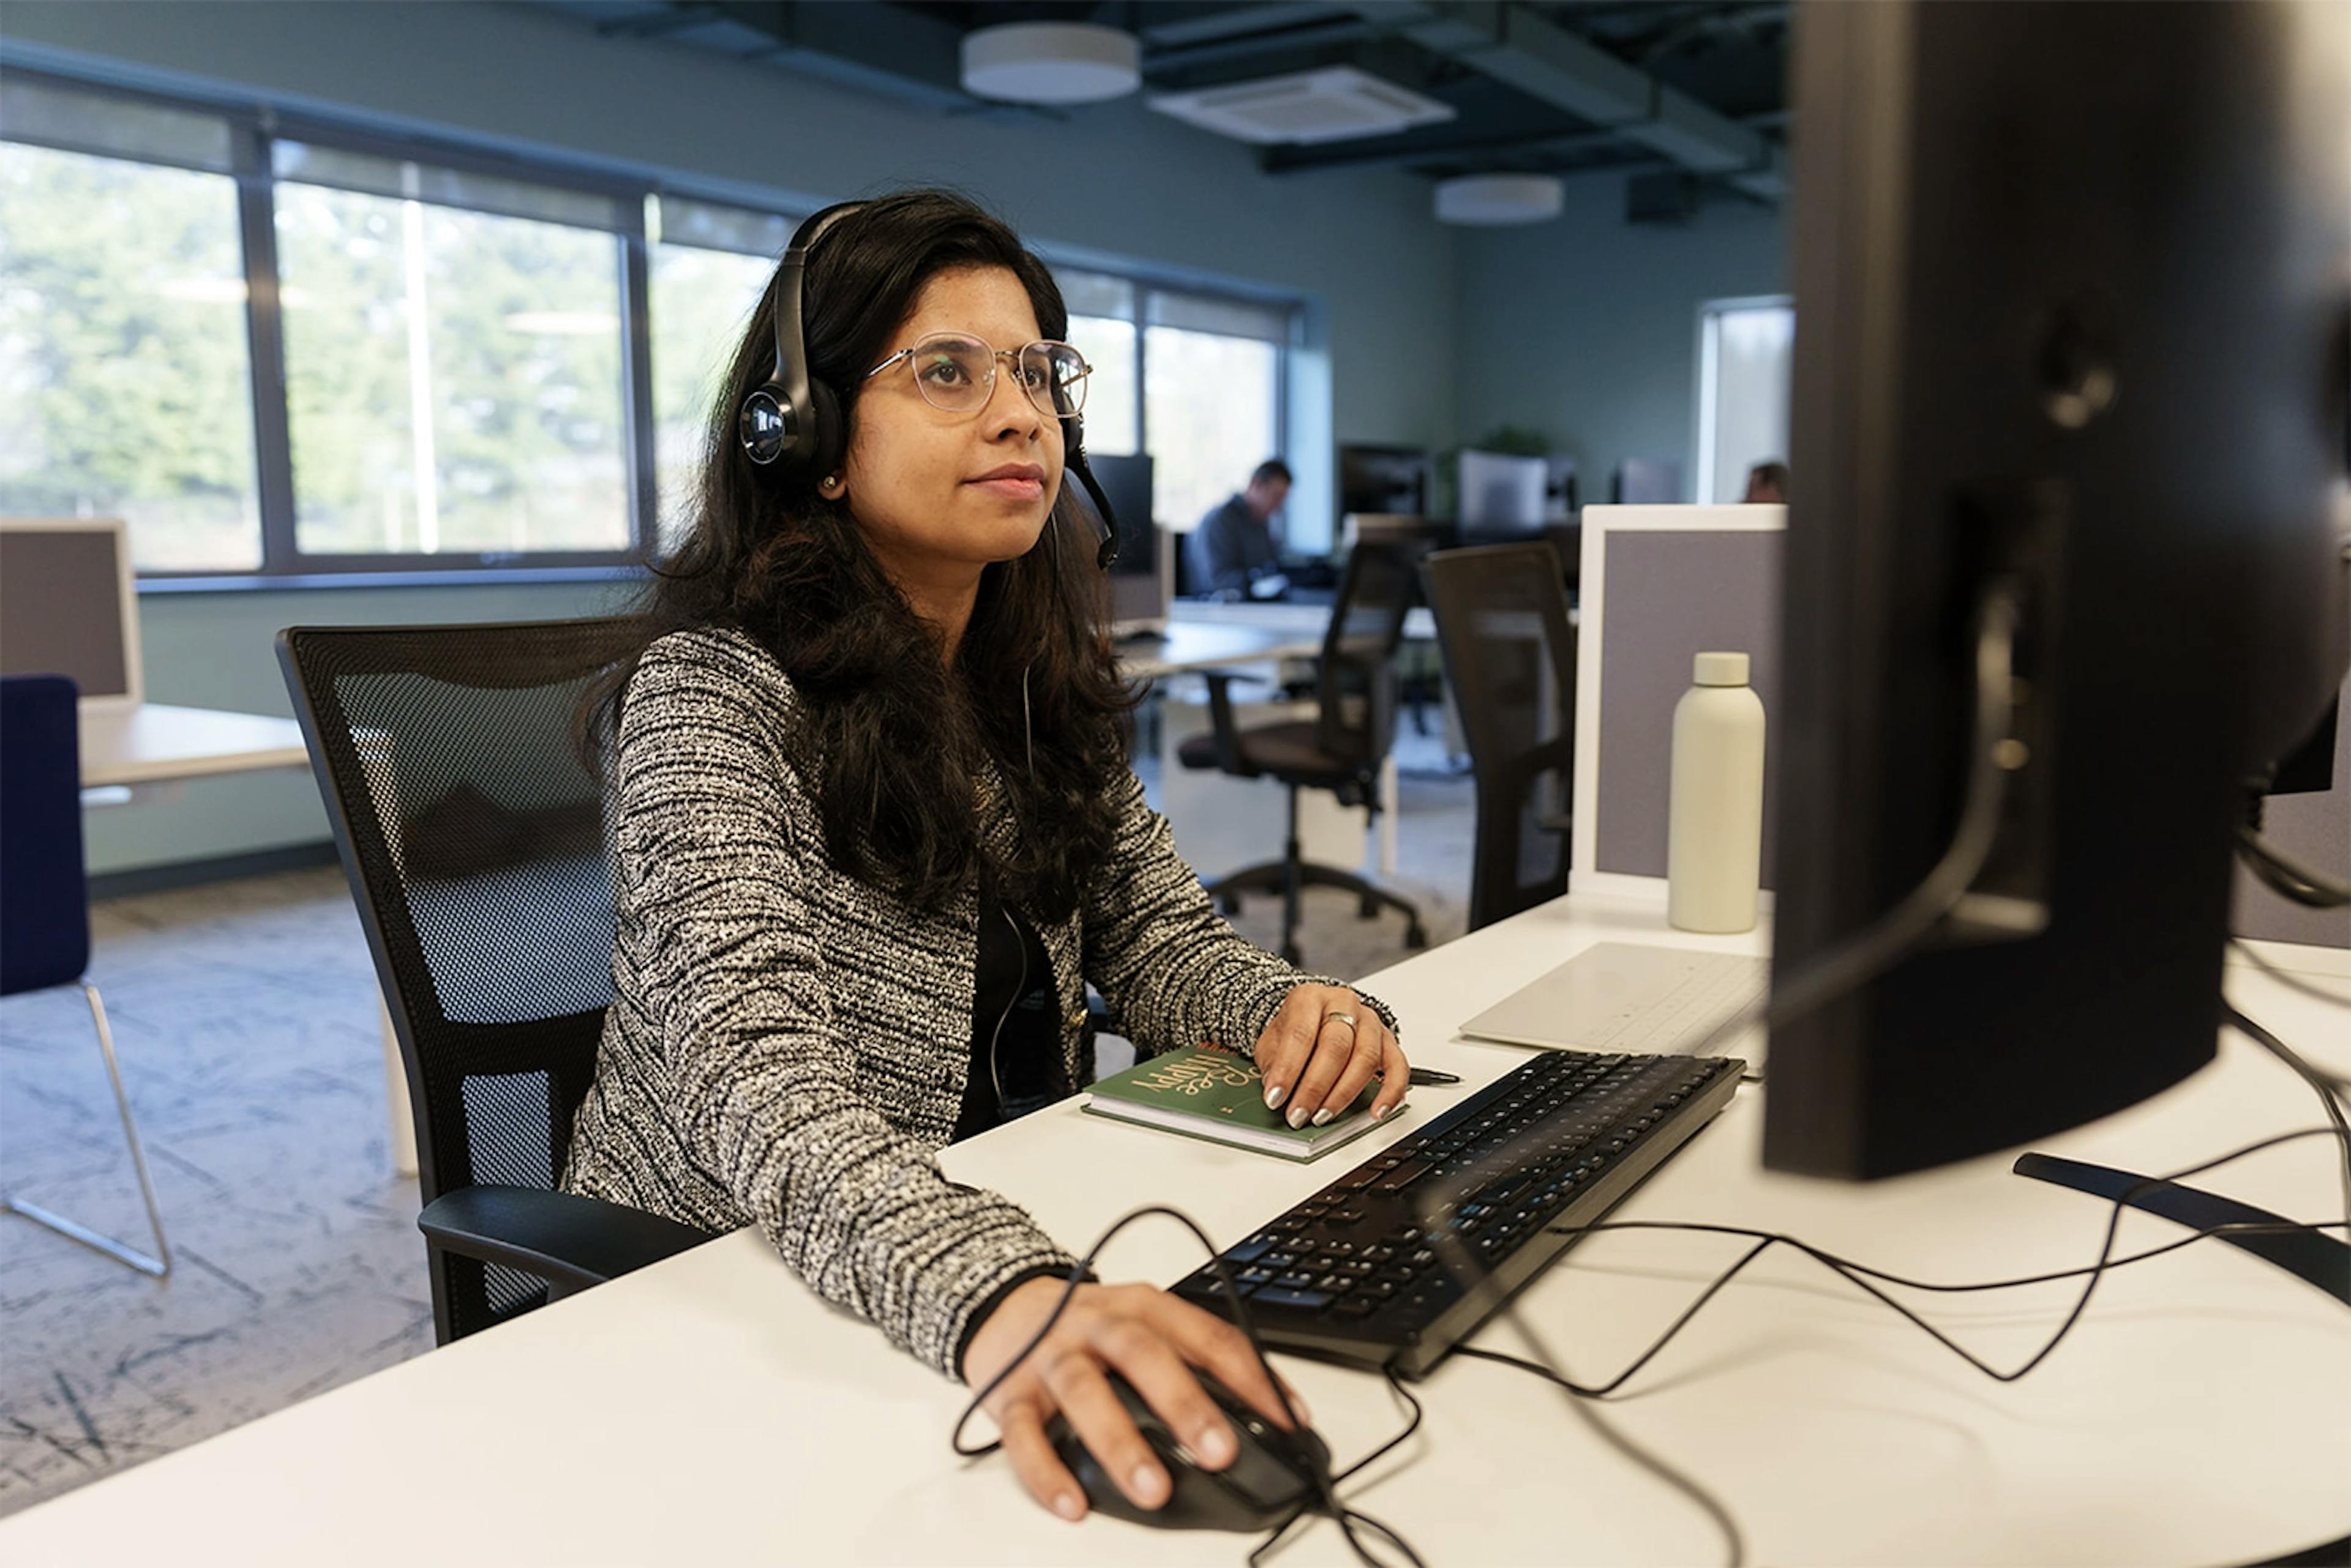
957	372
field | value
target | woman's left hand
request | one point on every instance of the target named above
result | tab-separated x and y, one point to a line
1320	1050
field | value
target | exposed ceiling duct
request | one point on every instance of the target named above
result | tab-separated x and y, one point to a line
1688	90
1544	60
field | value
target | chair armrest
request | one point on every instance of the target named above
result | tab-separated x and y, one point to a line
559	1236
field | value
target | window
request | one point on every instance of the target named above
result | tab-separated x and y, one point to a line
1209	370
453	377
1214	406
1745	363
125	380
1102	327
710	266
279	346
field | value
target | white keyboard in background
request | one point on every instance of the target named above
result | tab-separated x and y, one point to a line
1630	996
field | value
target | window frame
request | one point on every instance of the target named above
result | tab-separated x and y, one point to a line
253	133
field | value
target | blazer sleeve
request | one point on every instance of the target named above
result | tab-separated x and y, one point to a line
715	840
1173	969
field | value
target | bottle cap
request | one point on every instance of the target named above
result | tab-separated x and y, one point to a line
1721	669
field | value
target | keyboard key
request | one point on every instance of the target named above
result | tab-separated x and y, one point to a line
1280	1296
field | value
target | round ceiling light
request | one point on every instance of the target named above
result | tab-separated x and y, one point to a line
1494	199
1051	62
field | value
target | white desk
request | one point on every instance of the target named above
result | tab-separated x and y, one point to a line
155	743
709	1409
1188	646
1307	621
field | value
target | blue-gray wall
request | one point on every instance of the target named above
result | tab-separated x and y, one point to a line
1586	329
1114	183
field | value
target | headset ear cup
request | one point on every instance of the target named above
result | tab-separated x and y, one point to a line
831	433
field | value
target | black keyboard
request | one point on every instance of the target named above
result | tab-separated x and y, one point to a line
1357	1272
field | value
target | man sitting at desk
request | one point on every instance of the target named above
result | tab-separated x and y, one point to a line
1232	554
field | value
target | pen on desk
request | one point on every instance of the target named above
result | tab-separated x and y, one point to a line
1430	1075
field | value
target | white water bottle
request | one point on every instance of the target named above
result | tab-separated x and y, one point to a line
1714	839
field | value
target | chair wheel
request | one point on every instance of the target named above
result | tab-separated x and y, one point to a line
1230	905
1367	909
1416	938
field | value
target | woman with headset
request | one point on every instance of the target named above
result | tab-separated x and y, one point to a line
875	832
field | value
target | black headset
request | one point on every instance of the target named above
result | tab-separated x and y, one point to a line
793	424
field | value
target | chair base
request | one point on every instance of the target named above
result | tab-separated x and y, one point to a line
159	1264
1273	876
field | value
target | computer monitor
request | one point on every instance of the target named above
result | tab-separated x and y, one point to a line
1383	479
70	606
1143	576
2067	327
1645	482
1502	493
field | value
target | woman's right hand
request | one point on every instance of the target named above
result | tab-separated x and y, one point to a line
1149	1337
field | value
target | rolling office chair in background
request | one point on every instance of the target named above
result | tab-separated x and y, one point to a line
1341	749
1509	654
473	835
45	909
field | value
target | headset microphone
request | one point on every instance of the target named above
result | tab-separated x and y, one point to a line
1074	462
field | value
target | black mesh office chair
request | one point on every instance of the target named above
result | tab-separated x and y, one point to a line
1509	656
1341	749
473	837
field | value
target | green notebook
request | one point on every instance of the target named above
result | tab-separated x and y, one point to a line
1214	1094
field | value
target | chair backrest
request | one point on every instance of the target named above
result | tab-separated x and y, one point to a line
44	897
475	837
1357	685
1509	657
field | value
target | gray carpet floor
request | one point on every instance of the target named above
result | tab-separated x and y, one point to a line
245	1016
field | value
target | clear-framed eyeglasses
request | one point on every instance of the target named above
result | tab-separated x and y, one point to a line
956	371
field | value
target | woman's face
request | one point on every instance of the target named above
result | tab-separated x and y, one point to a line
943	493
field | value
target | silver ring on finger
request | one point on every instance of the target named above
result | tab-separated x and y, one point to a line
1347	1019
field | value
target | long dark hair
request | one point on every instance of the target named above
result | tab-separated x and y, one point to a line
895	739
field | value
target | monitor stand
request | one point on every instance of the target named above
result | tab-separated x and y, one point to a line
2311	1256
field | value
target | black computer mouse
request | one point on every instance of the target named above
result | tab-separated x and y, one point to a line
1271	1475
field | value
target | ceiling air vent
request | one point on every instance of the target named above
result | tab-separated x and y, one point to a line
1337	104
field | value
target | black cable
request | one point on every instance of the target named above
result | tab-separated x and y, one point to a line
2329	1095
1869	951
2288	878
1860	1275
2292	982
1327	1502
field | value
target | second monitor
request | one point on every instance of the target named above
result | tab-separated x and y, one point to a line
1143	574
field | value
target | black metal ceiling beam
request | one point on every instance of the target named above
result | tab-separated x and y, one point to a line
1425	147
1238	21
1547	62
879	48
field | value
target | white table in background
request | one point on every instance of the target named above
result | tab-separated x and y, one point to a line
155	743
711	1409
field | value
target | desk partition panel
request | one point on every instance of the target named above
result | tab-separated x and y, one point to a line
1662	583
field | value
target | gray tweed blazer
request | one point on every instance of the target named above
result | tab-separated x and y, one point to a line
788	1045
